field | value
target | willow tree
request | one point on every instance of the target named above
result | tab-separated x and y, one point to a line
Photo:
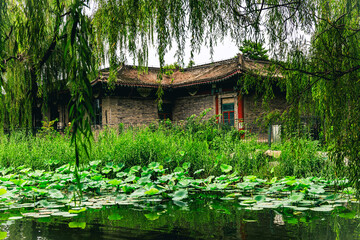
44	41
326	79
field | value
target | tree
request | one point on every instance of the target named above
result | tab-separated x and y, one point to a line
44	41
326	80
254	50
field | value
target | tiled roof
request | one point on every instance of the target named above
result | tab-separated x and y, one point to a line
203	74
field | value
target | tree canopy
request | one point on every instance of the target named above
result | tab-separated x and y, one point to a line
48	44
254	50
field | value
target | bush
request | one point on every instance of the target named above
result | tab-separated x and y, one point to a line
204	144
303	158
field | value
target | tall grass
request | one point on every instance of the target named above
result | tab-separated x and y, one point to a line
204	144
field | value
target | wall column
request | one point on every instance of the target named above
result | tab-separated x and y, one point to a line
240	105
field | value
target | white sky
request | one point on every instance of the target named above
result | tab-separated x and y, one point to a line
224	50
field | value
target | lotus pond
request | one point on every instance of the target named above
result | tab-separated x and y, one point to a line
152	202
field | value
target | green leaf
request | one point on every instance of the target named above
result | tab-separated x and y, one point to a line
348	215
3	235
114	182
225	168
81	225
178	170
135	168
153	165
186	165
297	197
106	170
18	182
77	210
152	191
54	193
95	163
260	198
180	194
118	167
97	177
250	201
2	191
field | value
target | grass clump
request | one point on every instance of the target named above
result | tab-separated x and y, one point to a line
197	143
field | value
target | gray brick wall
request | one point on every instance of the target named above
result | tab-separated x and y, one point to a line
117	110
129	111
184	107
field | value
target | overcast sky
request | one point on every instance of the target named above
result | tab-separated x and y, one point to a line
224	50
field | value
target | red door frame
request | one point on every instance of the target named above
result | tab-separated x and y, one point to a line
241	112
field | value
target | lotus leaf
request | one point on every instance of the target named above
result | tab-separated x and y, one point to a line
225	168
106	170
297	197
135	168
180	203
121	174
348	215
81	225
250	178
153	165
186	165
2	191
77	210
118	167
152	191
54	193
178	170
180	194
95	163
3	235
251	201
114	182
260	198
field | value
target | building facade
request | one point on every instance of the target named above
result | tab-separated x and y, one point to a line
216	86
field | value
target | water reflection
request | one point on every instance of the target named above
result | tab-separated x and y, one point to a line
212	219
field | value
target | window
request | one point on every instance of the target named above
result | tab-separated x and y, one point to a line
228	113
97	118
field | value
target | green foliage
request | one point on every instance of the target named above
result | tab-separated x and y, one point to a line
47	45
302	157
199	147
47	128
254	50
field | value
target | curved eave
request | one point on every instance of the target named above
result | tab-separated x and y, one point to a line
202	82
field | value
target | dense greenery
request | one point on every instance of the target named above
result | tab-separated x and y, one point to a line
47	43
203	144
254	50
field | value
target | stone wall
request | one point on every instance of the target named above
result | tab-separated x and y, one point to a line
184	107
117	110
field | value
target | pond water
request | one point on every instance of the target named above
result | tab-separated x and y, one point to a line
198	218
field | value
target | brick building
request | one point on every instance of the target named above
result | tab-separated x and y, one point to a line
186	92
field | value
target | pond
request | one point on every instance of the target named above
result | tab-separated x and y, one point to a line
153	203
199	218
